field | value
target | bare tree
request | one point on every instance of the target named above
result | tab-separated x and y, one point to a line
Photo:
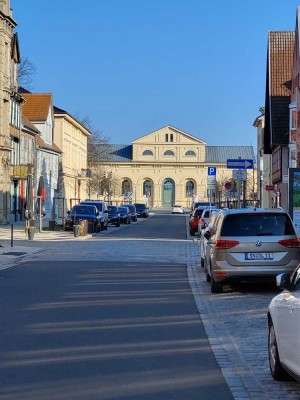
26	72
98	144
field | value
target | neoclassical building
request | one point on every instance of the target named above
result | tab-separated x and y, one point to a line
169	166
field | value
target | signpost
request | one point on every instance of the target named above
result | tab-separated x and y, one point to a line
239	164
211	181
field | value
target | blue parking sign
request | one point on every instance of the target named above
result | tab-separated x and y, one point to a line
212	171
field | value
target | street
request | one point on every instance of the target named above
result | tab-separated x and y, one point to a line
119	306
87	329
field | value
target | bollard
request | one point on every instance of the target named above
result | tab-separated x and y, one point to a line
12	235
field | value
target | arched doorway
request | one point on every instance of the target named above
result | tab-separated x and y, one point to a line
168	193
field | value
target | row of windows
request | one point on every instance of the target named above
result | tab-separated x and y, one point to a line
148	187
168	153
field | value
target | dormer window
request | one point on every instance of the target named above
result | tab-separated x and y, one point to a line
169	153
147	153
190	153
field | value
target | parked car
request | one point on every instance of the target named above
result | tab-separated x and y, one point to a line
125	215
177	209
194	219
142	210
284	328
102	209
80	212
206	227
197	204
202	223
114	215
132	210
250	243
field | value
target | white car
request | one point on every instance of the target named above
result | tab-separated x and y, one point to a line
177	209
284	328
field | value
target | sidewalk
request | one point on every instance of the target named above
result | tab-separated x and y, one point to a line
15	246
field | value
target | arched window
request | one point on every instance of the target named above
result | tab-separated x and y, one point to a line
189	188
147	153
126	186
147	188
169	153
190	153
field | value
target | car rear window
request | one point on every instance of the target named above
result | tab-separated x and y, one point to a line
112	208
98	205
198	213
255	224
85	210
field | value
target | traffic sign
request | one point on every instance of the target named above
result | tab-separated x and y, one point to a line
239	164
239	175
212	171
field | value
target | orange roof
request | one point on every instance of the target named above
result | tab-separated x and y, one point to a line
45	146
36	107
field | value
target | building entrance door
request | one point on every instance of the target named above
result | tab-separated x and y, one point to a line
168	193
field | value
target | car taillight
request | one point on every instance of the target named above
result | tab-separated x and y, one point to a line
294	243
226	244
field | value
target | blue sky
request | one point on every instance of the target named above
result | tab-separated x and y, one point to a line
134	66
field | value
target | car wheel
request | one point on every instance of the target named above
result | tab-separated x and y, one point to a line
118	224
201	262
135	219
129	222
215	287
105	227
276	369
192	232
102	226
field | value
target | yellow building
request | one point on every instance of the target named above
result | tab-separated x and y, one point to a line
71	137
170	166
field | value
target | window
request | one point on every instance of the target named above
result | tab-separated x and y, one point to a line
293	119
167	137
189	188
169	153
147	188
147	153
190	153
171	137
126	186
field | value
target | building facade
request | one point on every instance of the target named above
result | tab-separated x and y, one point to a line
8	88
170	166
72	138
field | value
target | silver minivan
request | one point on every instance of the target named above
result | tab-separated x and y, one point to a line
250	243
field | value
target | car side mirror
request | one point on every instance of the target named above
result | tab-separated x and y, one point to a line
207	235
203	226
68	212
105	211
97	213
283	281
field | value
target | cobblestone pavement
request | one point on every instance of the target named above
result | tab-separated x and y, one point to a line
235	321
236	325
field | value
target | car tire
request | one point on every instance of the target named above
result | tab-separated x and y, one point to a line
277	372
105	227
192	232
118	224
102	226
201	262
215	287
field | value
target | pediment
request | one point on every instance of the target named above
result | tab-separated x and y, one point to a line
167	133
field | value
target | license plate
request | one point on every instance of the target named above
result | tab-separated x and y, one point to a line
259	256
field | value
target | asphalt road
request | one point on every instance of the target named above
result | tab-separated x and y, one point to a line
105	330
